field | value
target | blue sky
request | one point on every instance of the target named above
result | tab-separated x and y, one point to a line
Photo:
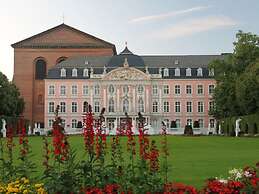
149	26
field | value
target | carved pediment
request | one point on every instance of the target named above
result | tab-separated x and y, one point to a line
126	73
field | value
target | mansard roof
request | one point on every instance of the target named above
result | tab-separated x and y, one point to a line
63	36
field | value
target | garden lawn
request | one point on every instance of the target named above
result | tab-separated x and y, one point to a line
192	159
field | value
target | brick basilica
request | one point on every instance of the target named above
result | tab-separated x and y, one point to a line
70	68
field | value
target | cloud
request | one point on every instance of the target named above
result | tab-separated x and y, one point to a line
166	15
193	26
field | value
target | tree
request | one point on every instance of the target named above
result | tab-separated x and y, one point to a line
11	103
236	92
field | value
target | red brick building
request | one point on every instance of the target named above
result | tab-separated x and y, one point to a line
34	56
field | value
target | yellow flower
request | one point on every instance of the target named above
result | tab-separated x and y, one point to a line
38	185
25	191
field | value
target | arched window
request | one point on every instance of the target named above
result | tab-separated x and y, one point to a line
125	89
188	72
111	89
125	105
111	105
199	72
60	59
85	106
166	72
85	73
177	71
63	72
74	72
140	105
40	69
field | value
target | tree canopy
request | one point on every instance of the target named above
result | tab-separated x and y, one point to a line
11	103
237	76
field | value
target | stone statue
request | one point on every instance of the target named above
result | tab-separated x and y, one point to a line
209	129
29	130
3	128
104	70
237	126
219	129
35	128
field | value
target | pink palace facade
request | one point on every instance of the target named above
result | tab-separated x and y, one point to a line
163	88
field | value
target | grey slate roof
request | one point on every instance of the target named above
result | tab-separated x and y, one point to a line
154	63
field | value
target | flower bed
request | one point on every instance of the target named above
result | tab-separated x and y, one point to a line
145	172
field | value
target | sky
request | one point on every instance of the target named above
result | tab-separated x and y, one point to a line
150	27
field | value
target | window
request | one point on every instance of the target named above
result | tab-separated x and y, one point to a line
85	106
200	89
97	90
177	107
211	89
177	89
111	89
63	122
211	72
74	72
166	72
111	105
212	123
40	99
125	105
155	106
189	122
154	89
140	105
51	107
96	106
177	72
167	123
166	89
200	107
188	89
62	90
85	90
63	72
50	123
51	90
211	105
40	69
74	107
62	107
189	107
85	73
125	89
201	123
178	123
166	106
74	123
74	90
188	72
199	72
60	59
140	89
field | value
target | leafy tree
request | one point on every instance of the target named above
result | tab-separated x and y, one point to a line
237	78
11	103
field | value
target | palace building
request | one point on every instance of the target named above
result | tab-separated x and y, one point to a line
66	67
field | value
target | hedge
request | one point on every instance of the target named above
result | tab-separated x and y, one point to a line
248	125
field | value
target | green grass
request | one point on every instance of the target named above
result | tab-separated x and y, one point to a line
192	159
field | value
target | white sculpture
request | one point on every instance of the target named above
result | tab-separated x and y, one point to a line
219	129
3	128
35	129
209	129
237	126
29	130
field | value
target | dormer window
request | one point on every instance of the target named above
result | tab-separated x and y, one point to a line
63	72
176	62
188	72
166	72
211	72
85	73
199	72
177	71
74	72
